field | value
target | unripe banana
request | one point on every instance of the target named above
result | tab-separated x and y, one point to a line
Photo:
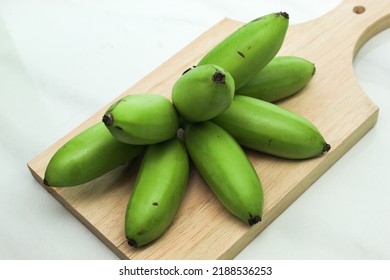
247	50
157	193
88	156
272	129
203	92
226	168
142	119
281	78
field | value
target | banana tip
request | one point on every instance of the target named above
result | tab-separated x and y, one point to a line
132	242
45	182
108	119
285	15
218	77
254	220
326	148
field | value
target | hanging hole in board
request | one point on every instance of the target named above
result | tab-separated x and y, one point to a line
359	9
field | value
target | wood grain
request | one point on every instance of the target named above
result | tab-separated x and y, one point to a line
203	229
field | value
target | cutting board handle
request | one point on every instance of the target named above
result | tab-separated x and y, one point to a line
341	32
371	17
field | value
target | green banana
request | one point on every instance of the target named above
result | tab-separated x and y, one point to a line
272	129
87	156
281	78
142	119
157	193
248	49
203	92
226	168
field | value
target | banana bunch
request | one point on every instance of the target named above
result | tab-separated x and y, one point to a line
222	104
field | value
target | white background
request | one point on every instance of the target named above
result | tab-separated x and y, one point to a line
61	61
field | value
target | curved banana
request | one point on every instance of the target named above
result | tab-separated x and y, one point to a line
247	50
226	168
281	78
87	156
157	193
142	119
269	128
203	92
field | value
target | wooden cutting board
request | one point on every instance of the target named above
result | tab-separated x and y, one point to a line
203	229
